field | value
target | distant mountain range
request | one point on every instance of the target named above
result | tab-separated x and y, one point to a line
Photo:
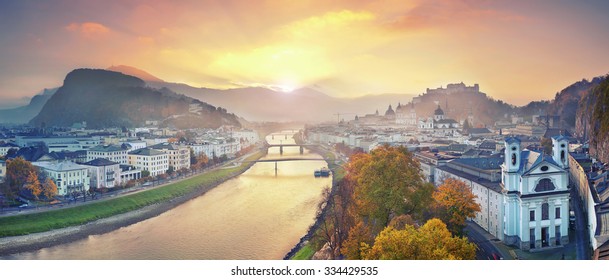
25	113
104	98
304	104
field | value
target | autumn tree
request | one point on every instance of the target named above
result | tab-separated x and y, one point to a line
17	173
358	243
32	186
454	202
432	241
388	183
49	188
335	225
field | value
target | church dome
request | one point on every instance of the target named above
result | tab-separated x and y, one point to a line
439	112
389	111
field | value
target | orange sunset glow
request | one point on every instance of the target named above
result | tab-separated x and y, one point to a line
515	50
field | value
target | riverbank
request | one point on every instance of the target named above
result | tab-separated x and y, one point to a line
142	206
303	248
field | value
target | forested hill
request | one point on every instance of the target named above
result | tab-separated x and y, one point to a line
104	98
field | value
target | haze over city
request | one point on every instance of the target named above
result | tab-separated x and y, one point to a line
516	51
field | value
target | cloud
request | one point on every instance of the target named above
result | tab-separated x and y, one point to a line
88	30
450	13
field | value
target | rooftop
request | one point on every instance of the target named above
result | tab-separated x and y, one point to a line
59	166
110	148
146	152
100	162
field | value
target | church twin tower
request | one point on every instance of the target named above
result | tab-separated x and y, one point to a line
535	195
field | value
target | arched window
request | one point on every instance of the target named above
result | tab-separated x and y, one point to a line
513	159
562	156
544	185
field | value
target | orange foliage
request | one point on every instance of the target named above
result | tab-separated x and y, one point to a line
454	203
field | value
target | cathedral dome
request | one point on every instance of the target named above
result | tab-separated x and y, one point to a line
389	111
439	112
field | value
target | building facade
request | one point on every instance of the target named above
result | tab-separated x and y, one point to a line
535	195
151	160
68	176
104	173
115	153
178	156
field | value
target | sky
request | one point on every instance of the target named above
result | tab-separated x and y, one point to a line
517	51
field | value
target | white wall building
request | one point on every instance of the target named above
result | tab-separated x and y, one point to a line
104	173
153	161
68	176
116	153
178	156
536	198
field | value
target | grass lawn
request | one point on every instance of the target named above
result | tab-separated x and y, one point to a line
305	253
44	221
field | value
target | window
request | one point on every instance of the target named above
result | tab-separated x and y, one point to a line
532	215
532	238
544	185
557	213
545	211
557	234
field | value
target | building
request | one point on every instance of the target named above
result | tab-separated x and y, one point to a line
154	161
406	116
68	176
178	156
429	161
2	170
116	153
5	147
483	176
439	125
56	143
129	172
535	195
104	173
523	196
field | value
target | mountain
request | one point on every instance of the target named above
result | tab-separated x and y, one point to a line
592	119
104	98
24	114
566	102
304	104
135	72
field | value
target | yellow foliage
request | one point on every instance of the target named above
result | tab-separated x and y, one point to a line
432	241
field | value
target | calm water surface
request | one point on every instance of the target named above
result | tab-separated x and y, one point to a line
254	216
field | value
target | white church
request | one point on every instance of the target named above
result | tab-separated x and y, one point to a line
524	196
535	195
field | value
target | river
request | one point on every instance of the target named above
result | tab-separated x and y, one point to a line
256	215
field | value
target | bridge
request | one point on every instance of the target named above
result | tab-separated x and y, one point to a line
302	146
284	159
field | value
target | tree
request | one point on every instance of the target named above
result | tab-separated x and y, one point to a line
170	170
17	173
454	203
432	241
145	173
357	244
32	186
388	183
202	159
193	158
547	145
49	188
335	225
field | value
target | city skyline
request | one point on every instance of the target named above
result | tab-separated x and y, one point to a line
517	52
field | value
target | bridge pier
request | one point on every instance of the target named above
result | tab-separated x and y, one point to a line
281	150
275	169
301	150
